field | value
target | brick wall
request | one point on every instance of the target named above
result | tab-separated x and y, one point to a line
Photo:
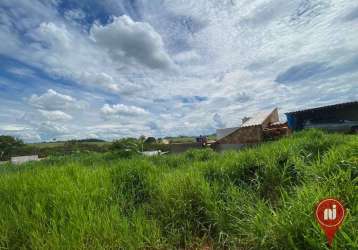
245	135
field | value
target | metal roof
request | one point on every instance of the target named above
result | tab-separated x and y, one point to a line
221	133
334	106
258	119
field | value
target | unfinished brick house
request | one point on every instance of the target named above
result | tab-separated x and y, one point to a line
253	131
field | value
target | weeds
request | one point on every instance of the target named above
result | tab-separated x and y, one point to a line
259	198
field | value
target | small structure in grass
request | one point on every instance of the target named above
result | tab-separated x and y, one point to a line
153	153
23	159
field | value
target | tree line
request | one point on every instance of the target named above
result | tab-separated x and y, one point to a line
125	147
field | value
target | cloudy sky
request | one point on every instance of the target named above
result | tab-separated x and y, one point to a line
117	68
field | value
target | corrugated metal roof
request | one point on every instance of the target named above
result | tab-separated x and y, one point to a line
221	133
258	119
339	105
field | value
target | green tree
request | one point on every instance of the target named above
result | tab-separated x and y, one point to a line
125	147
8	145
150	140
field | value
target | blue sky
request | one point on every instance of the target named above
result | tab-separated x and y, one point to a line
109	69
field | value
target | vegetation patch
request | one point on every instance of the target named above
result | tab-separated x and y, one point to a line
257	198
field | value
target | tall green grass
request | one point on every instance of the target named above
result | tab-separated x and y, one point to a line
260	198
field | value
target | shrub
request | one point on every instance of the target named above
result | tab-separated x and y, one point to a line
125	148
200	154
133	182
183	203
9	145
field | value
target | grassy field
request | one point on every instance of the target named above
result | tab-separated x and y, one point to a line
261	198
61	144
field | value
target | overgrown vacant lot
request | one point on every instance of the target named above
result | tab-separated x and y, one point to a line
260	198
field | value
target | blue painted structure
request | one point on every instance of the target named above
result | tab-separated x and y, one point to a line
291	121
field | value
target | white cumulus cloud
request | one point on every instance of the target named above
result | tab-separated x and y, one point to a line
231	58
125	39
52	100
56	115
53	35
118	110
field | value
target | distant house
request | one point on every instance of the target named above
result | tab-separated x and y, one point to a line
165	141
252	131
24	159
338	117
